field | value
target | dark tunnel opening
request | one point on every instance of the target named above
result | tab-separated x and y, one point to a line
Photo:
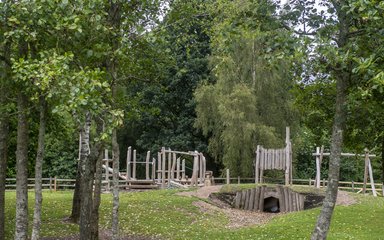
272	205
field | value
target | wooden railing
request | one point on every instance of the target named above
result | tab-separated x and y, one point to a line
55	183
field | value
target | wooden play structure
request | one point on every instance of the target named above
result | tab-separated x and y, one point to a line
168	170
367	168
279	159
269	199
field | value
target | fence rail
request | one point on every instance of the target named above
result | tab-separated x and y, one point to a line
55	183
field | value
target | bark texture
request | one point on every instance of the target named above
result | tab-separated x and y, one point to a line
4	130
114	17
86	182
39	171
21	231
76	201
342	77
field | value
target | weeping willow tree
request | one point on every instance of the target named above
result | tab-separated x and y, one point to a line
249	103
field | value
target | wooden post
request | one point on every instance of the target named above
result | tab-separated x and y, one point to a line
147	165
106	156
371	177
169	166
228	179
317	179
238	179
261	163
163	167
55	184
178	168
50	183
257	199
183	169
257	164
201	168
309	184
159	167
129	155
134	165
365	173
173	166
353	186
323	182
287	152
153	169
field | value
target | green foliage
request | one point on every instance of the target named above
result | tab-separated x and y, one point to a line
250	103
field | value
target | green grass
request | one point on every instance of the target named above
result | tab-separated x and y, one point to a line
168	216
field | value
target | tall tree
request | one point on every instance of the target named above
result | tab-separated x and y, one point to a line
249	103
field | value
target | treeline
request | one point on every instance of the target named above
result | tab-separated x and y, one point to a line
219	77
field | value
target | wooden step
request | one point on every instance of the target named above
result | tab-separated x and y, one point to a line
141	181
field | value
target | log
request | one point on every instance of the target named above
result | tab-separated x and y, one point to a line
183	169
261	198
280	191
129	155
247	193
257	164
134	165
147	164
237	200
257	199
251	199
243	197
163	167
178	169
159	164
286	200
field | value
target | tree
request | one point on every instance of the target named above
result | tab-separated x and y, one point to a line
249	103
331	36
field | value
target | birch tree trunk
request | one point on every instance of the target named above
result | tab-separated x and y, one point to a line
86	182
39	171
21	231
342	78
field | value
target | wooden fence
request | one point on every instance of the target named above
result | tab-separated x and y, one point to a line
55	183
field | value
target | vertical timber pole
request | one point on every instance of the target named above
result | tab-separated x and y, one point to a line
147	165
129	155
257	164
317	167
287	153
228	178
134	165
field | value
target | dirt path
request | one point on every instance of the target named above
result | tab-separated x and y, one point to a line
202	192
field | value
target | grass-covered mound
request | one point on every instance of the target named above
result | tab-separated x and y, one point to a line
164	215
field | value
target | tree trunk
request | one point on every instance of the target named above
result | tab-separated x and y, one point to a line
39	171
21	232
114	17
342	78
76	201
382	162
4	132
3	172
115	210
86	182
99	155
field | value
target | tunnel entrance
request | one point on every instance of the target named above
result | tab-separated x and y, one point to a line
271	204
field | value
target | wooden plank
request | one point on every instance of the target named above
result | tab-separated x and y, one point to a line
237	200
159	167
365	173
280	191
261	198
201	179
129	155
243	198
169	166
293	200
286	199
163	167
251	199
173	166
147	164
183	169
247	195
257	198
257	163
153	169
371	178
134	165
178	169
347	155
318	168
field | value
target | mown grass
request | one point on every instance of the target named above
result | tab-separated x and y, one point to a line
168	216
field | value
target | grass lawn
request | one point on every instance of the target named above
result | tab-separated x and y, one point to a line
165	215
